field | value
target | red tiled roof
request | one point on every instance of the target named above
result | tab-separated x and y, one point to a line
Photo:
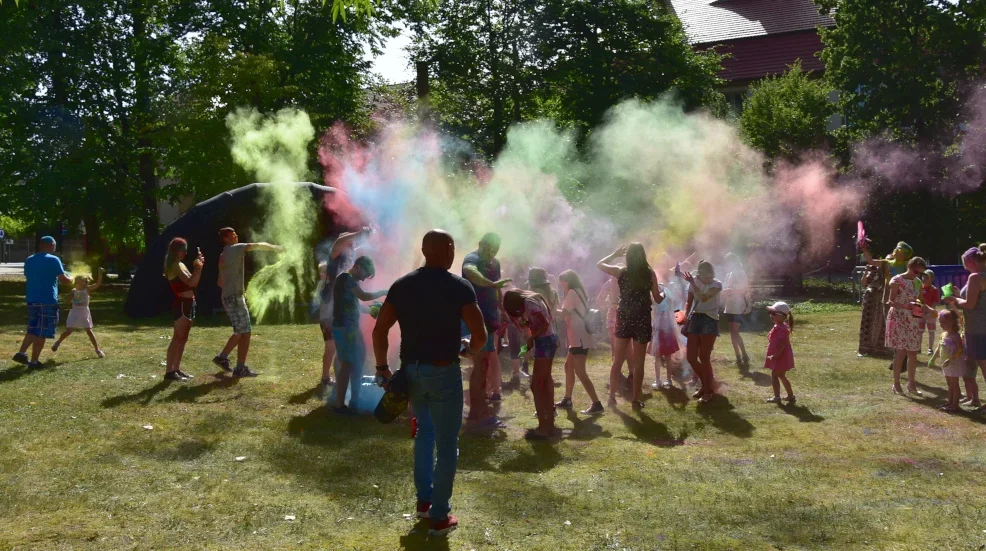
708	21
754	58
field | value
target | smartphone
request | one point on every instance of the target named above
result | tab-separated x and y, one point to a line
198	252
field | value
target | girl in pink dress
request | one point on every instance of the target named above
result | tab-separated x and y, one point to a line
780	355
904	322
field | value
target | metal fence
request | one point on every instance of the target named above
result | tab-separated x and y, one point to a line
944	274
16	250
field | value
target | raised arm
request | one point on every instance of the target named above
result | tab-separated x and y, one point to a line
192	279
344	241
264	247
99	281
870	260
64	279
612	269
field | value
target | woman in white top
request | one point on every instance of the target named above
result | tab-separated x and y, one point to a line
736	296
702	326
574	310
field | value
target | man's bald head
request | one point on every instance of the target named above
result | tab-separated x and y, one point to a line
438	248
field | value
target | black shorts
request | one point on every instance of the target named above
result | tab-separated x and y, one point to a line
183	308
732	318
576	351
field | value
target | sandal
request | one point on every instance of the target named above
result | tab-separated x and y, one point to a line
897	390
948	408
698	393
914	390
791	399
774	400
667	385
705	399
637	404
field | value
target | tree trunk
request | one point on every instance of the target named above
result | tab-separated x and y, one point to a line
144	125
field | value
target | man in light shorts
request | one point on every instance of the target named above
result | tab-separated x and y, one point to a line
231	281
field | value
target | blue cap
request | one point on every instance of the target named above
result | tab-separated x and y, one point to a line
48	240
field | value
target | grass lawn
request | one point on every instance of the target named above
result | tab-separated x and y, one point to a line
850	467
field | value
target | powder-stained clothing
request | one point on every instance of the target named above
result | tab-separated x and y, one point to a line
633	313
231	269
536	319
706	300
738	285
486	296
345	303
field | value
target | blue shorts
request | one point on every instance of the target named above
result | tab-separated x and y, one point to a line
490	337
42	320
702	324
545	347
350	346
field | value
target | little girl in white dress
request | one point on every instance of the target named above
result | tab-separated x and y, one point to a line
79	316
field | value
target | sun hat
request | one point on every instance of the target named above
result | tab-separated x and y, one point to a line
780	308
537	276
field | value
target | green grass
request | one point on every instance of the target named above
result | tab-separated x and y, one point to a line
851	467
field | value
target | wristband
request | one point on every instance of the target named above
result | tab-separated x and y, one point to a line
383	367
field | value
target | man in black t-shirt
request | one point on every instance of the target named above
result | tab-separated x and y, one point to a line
430	304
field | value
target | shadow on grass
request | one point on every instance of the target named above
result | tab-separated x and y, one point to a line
417	539
304	396
650	431
722	414
475	451
585	428
802	413
143	397
676	397
542	457
15	373
191	394
759	378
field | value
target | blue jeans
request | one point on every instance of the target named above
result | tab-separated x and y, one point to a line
436	396
351	350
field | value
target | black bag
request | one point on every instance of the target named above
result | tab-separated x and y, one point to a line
395	399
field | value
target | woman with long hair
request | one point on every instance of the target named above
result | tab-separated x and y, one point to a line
183	283
531	314
702	326
638	283
574	309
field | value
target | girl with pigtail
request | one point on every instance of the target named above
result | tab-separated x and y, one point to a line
972	303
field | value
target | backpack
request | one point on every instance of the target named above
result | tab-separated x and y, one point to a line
593	318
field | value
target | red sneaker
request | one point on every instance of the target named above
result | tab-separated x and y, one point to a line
423	508
444	527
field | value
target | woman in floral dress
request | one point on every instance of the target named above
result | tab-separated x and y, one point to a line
903	322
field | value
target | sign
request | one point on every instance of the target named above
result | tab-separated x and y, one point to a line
64	231
2	233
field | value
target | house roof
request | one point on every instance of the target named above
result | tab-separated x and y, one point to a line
708	21
757	57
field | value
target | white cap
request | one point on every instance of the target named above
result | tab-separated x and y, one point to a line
780	307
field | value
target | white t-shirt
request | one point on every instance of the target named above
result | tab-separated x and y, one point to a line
578	337
737	286
711	305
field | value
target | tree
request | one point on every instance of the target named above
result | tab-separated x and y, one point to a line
903	66
501	61
598	53
786	116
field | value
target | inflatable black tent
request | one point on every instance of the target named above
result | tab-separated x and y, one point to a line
241	209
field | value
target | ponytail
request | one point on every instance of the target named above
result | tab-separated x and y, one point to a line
790	322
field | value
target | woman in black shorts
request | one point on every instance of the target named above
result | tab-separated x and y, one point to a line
183	284
638	283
